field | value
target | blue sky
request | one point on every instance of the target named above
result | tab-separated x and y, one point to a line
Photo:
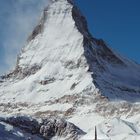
17	20
116	21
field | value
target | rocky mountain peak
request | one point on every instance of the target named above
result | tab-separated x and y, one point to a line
64	72
63	7
61	45
59	17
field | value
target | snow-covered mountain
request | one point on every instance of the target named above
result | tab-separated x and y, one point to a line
65	72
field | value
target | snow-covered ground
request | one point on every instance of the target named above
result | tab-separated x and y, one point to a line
63	71
115	129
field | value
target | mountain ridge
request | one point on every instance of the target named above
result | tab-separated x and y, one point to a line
65	72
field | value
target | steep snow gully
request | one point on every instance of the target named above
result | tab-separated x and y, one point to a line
69	82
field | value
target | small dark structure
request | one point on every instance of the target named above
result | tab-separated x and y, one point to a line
95	133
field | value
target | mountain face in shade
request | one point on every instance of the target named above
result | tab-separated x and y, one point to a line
63	71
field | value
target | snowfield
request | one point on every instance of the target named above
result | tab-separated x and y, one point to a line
63	72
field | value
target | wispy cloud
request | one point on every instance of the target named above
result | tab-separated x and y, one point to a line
21	18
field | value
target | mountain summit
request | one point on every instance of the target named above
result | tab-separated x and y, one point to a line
63	71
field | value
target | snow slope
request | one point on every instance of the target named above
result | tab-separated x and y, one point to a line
56	58
115	129
63	71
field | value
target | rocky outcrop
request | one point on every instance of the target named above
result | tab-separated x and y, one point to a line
22	73
59	127
47	128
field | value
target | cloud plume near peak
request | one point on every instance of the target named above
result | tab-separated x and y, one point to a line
18	18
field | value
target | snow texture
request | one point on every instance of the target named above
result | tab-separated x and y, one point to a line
63	71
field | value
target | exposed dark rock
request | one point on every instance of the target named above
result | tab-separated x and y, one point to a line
49	113
106	53
47	129
59	127
80	22
128	89
22	73
39	28
48	81
73	86
70	112
24	123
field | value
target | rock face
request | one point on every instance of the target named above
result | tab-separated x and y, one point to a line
64	71
47	129
61	48
60	128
